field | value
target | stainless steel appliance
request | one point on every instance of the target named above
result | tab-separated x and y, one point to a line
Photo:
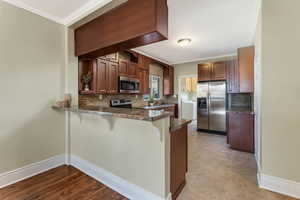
129	85
121	103
211	106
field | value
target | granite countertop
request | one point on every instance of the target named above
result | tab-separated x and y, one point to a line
157	106
241	110
129	113
178	124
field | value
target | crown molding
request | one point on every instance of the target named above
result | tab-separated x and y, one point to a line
205	58
24	6
153	57
84	11
78	14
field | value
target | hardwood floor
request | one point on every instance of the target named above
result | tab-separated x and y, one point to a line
62	183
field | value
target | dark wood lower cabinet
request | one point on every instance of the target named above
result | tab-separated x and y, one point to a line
179	160
241	131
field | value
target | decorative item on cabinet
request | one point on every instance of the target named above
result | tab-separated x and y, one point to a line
86	77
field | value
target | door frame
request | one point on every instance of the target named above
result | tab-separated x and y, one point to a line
179	91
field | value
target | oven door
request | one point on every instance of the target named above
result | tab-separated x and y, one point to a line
129	85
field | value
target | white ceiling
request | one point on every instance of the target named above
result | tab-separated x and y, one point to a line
217	28
62	11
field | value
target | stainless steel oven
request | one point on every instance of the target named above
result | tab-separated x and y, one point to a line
129	85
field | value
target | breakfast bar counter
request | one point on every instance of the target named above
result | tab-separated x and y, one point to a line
128	113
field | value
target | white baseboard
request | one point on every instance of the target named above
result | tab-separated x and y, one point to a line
28	171
129	190
279	185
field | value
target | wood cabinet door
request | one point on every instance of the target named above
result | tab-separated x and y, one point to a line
143	75
241	131
123	67
167	81
246	69
114	57
144	62
204	72
232	76
132	69
171	72
218	71
179	158
112	78
101	81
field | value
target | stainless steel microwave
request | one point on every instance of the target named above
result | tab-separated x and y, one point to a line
129	85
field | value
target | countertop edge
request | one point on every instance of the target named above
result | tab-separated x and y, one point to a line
117	115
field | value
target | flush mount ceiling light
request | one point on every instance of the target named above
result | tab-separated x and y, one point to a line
184	42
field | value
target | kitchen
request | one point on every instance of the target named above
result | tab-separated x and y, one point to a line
156	99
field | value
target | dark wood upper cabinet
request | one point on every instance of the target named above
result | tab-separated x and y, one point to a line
101	81
218	71
123	67
204	72
241	131
112	78
168	80
134	23
132	69
114	57
246	69
144	62
232	76
143	75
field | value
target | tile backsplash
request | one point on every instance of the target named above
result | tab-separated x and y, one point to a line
104	100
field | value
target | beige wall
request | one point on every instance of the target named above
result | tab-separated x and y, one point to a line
280	89
191	68
31	79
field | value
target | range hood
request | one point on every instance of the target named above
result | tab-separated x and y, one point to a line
133	24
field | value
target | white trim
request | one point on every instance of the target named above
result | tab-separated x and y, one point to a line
75	16
280	185
84	11
24	6
205	58
28	171
129	190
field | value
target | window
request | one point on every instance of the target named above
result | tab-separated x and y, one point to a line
155	86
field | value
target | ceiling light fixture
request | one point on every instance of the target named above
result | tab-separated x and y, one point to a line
184	42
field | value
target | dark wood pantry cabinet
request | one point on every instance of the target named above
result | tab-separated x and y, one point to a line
241	131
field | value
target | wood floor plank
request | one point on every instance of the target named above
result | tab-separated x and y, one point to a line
62	183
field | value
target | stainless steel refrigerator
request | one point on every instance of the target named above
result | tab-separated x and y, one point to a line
211	106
